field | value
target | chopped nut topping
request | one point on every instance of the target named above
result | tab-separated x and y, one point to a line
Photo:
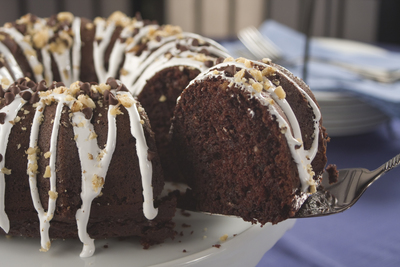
280	92
229	59
65	16
123	72
86	101
257	75
53	195
5	82
47	154
89	26
40	38
38	69
77	106
90	156
116	111
248	63
266	60
162	98
6	171
92	135
47	173
103	87
120	19
32	168
97	182
125	100
257	86
268	71
239	75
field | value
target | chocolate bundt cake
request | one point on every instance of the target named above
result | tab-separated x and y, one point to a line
60	146
249	141
154	62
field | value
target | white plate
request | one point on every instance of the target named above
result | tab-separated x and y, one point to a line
349	46
343	114
245	246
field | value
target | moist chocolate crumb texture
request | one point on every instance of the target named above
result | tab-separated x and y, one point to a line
249	140
155	62
79	161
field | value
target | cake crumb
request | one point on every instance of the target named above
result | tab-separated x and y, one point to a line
184	225
333	173
216	246
223	238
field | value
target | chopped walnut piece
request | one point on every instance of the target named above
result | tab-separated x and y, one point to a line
92	135
65	16
257	75
162	98
266	60
76	106
229	59
89	26
53	195
116	111
86	101
47	173
268	71
125	100
6	171
123	72
257	86
47	154
280	92
97	182
40	38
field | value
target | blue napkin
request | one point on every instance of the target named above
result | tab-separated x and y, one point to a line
327	77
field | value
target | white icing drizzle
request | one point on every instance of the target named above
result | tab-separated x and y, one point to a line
14	66
146	169
4	73
48	73
11	110
103	34
302	157
76	49
64	66
28	50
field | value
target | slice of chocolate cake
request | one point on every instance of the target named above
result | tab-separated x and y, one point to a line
249	141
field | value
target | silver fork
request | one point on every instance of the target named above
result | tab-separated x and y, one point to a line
262	47
338	197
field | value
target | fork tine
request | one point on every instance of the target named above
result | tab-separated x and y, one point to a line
258	44
267	43
252	46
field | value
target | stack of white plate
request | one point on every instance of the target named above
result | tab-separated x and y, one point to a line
344	114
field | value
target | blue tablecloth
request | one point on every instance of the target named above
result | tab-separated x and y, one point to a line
365	235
